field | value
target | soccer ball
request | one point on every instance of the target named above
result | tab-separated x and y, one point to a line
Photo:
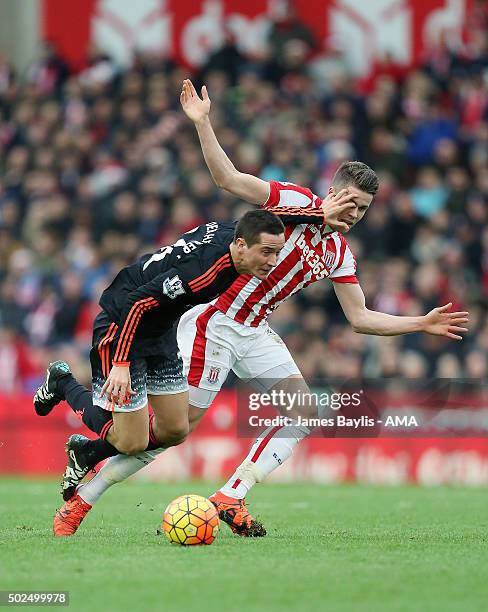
191	519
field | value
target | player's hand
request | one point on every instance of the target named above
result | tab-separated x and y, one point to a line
195	108
440	322
337	208
117	387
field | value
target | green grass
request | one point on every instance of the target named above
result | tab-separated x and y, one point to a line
328	548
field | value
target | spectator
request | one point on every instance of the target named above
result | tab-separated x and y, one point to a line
101	166
49	71
228	59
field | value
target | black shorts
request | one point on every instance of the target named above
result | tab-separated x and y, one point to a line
159	374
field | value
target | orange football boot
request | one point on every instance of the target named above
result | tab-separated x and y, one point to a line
234	512
68	518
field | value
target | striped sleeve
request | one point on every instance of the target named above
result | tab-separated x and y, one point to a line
172	291
166	287
128	328
345	269
289	194
295	215
208	277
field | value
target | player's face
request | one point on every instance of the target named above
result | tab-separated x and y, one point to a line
260	258
362	201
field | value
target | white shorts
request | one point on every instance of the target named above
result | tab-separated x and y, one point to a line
212	344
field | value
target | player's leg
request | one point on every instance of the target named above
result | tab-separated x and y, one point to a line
276	444
163	376
129	432
69	517
117	469
195	415
209	351
121	467
127	428
167	389
211	344
168	425
59	385
271	449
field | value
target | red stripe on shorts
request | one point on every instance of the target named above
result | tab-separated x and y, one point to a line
197	361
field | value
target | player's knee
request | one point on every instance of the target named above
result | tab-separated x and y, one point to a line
176	433
133	446
193	425
195	415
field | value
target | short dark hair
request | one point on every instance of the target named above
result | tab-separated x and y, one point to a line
251	225
357	174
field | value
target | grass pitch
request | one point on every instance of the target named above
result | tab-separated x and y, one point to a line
328	548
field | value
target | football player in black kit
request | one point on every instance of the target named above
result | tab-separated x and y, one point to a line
134	356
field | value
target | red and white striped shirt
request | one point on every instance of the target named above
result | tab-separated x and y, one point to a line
310	254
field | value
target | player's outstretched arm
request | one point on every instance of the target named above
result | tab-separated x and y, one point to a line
225	175
438	322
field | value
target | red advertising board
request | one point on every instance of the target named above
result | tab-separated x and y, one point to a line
188	30
32	445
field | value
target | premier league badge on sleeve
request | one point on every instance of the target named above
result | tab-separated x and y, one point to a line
173	287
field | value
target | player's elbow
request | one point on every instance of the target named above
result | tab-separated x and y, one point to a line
227	180
358	329
357	321
221	181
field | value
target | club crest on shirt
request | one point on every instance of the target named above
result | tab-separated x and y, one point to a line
213	375
329	258
173	287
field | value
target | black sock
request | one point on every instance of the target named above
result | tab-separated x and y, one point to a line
97	419
80	400
98	450
77	396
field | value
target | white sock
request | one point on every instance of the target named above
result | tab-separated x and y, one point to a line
116	469
269	451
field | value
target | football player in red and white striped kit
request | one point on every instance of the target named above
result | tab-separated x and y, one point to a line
233	333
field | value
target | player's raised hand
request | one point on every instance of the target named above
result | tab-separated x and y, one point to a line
337	209
118	385
440	322
195	108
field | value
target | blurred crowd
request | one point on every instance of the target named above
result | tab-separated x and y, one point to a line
100	166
